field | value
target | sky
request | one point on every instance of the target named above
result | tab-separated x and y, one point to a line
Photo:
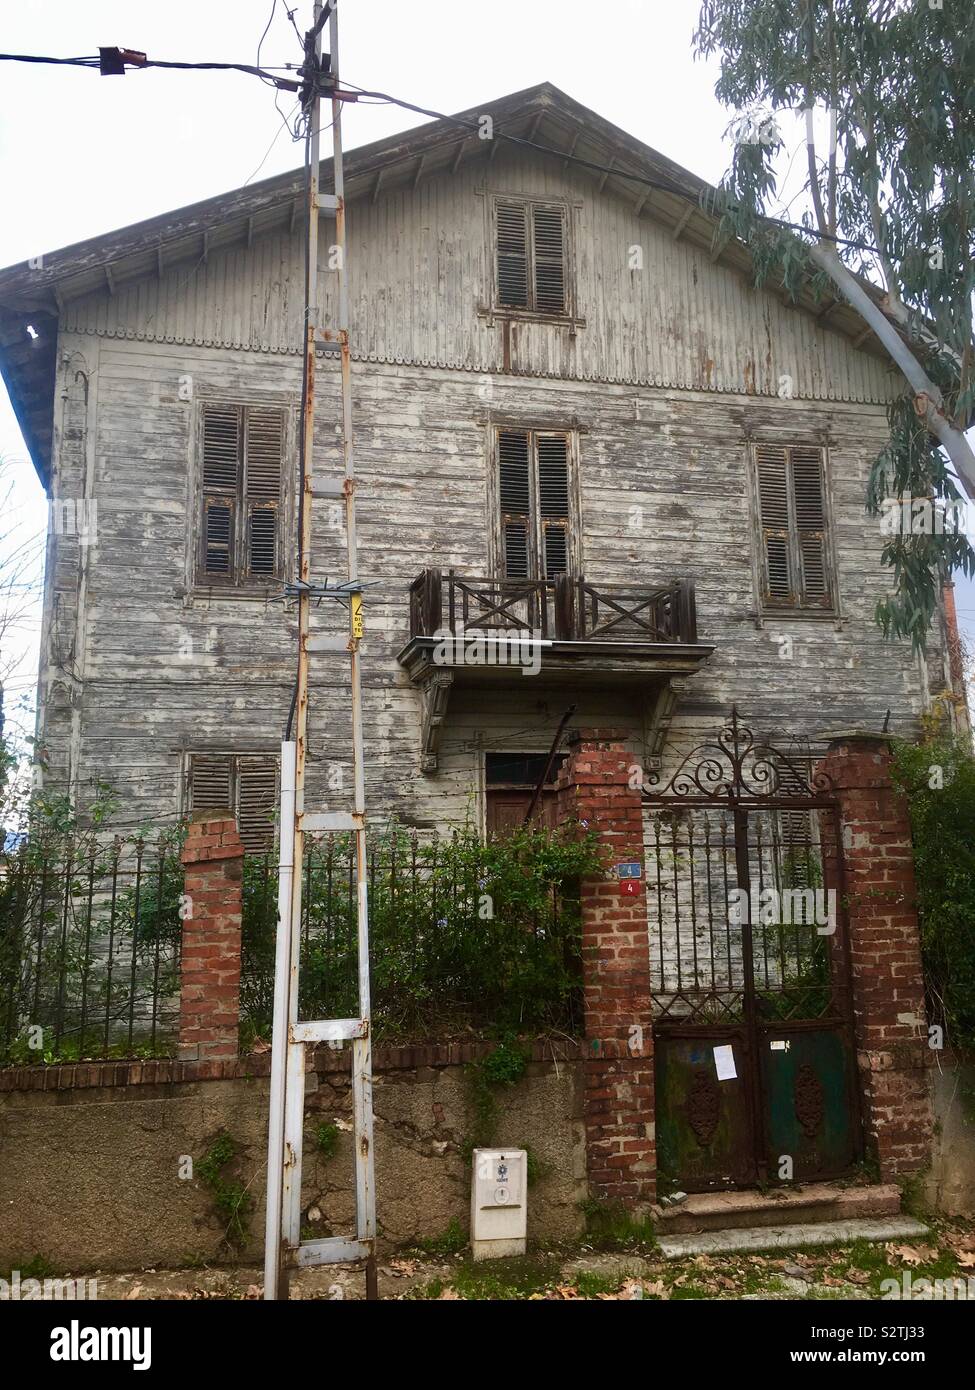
81	154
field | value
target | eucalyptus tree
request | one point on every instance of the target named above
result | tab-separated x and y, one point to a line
884	91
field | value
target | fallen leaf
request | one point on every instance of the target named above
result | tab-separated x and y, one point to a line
966	1258
134	1292
912	1254
449	1295
857	1276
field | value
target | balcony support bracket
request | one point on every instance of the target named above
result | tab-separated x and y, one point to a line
435	693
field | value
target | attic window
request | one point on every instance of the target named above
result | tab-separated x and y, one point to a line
245	785
530	256
240	541
796	568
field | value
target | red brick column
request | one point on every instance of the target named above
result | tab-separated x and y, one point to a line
885	952
594	792
209	1005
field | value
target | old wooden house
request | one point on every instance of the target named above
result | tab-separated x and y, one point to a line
573	414
578	424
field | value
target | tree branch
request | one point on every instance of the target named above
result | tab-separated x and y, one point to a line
928	400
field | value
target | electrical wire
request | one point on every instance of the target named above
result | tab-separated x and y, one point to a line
673	189
265	74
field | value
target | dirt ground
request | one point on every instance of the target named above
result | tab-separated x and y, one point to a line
942	1265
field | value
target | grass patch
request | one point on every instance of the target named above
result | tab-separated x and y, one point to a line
506	1279
451	1242
610	1226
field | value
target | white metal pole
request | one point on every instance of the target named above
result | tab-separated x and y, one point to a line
279	1035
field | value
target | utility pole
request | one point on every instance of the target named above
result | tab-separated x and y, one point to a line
284	1248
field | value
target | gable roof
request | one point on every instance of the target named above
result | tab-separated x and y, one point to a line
544	115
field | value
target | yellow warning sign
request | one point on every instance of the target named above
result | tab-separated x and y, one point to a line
357	627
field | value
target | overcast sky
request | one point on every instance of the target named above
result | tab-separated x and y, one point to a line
81	154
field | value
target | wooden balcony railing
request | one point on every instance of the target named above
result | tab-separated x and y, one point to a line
564	610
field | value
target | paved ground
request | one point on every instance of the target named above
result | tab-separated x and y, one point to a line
856	1270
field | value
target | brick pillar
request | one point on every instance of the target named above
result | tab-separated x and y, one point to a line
209	1004
594	793
885	953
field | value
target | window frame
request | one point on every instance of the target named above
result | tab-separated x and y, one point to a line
496	542
198	583
796	606
567	314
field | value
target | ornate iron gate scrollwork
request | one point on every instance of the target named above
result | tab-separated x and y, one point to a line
749	954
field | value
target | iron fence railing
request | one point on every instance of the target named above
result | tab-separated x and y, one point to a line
90	945
89	952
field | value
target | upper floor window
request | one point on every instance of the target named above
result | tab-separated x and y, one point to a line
796	569
244	784
240	526
535	504
532	271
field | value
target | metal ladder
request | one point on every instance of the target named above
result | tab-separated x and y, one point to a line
284	1249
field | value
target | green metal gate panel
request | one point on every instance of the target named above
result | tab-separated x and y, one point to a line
704	1132
807	1112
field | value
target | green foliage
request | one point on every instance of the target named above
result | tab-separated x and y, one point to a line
938	778
463	933
611	1226
506	1279
451	1242
502	1067
231	1197
897	202
327	1139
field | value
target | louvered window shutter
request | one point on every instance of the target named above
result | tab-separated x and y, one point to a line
553	503
262	489
516	509
773	492
211	786
793	518
512	229
257	798
548	245
221	481
810	513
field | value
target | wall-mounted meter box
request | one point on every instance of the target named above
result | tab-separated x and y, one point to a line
499	1203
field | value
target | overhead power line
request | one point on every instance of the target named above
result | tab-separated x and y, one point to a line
659	185
115	62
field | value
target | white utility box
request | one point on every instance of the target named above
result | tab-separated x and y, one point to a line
499	1203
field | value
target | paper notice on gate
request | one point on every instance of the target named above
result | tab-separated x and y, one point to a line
724	1062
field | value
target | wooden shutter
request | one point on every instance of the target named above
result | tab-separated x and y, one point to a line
773	494
553	503
257	792
221	481
512	231
793	522
262	489
810	512
514	483
211	786
548	246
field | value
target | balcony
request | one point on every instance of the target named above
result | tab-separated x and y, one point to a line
568	632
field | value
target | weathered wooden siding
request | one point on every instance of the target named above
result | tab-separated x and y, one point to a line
155	670
421	270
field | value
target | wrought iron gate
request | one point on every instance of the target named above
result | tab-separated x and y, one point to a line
750	972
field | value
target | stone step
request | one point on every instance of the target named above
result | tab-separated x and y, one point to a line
793	1237
805	1205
